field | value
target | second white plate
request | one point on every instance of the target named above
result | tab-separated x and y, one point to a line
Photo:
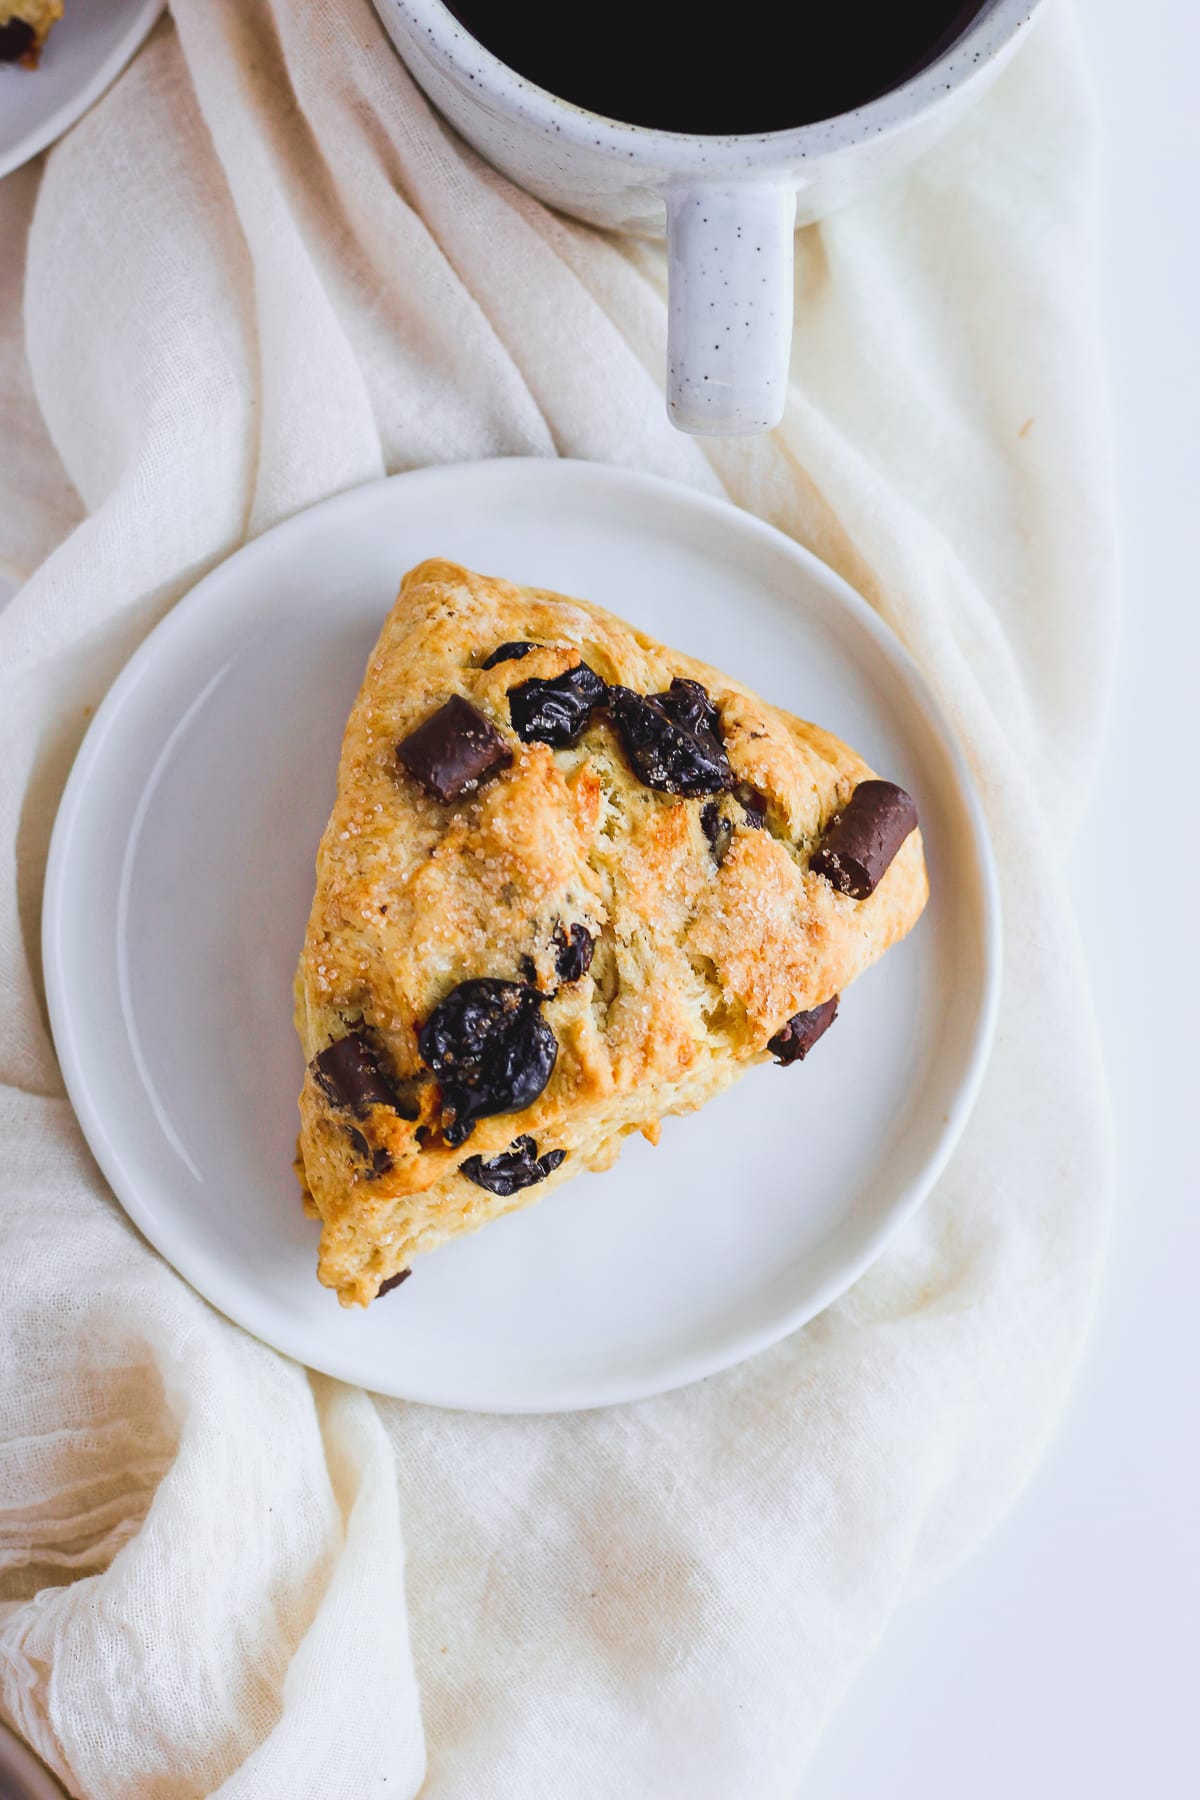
180	879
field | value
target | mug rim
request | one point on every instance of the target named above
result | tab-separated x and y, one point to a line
984	38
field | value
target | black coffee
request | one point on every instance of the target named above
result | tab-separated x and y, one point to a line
709	70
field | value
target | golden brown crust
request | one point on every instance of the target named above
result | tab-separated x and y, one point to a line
696	965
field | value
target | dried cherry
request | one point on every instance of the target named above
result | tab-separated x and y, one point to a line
507	653
673	740
490	1048
518	1167
718	829
555	711
574	949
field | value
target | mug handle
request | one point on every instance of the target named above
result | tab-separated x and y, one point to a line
730	251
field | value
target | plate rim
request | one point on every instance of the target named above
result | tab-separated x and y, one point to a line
590	1393
142	21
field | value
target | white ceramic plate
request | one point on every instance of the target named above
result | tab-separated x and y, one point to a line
180	879
85	52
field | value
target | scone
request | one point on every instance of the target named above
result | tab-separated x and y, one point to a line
573	881
24	27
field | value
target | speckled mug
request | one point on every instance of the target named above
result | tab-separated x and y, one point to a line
728	206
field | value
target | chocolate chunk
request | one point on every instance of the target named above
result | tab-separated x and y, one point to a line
857	848
393	1281
801	1032
719	825
556	711
490	1048
574	949
673	740
507	653
753	804
454	750
718	829
16	40
518	1167
348	1072
379	1160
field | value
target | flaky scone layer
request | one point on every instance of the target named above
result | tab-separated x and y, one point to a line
696	965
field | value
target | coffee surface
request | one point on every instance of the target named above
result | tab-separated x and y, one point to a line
751	67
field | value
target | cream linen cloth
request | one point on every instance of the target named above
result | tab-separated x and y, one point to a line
262	270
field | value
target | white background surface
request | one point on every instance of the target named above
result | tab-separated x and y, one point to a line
1062	1661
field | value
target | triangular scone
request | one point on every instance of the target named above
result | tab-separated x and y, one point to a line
502	921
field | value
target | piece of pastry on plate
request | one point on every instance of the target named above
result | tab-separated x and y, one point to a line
573	881
24	27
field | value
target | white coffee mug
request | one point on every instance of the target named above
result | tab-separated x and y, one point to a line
729	206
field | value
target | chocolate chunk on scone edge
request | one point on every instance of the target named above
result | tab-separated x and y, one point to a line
453	750
860	844
348	1073
17	40
796	1039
